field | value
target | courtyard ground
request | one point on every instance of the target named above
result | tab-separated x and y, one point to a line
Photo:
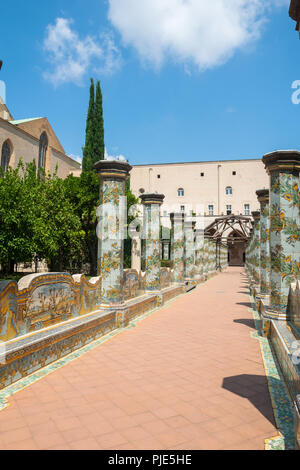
189	376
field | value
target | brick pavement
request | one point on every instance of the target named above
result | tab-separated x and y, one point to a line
189	376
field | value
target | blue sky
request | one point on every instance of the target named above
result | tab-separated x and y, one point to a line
193	81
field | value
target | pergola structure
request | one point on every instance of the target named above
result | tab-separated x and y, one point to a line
223	227
233	231
294	12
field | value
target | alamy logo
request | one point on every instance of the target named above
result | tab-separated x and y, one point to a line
296	94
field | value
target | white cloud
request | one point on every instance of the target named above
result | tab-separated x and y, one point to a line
115	157
204	33
72	57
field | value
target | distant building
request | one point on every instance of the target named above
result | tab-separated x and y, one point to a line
31	139
209	189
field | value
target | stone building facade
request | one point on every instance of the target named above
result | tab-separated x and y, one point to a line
209	189
31	139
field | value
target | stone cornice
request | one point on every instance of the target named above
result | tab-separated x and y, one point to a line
285	160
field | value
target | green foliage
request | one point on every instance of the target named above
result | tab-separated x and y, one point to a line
43	217
88	150
99	147
94	148
15	222
131	201
37	219
58	233
83	192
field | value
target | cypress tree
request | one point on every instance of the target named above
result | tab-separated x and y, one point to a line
88	150
99	146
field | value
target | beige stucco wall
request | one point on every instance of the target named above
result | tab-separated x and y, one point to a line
206	190
27	147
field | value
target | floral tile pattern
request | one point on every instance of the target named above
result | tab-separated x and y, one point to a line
281	402
284	236
151	250
110	243
177	247
264	248
41	373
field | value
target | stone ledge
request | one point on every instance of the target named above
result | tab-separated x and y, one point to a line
35	350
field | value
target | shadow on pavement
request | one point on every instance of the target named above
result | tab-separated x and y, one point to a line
246	304
255	389
246	321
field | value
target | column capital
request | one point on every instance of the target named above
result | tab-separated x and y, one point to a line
113	169
152	198
282	160
263	195
256	215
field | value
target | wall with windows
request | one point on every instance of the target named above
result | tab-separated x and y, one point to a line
219	186
26	146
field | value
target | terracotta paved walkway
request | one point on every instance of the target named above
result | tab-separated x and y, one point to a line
187	377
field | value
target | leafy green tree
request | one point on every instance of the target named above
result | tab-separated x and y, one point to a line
15	221
83	193
37	220
58	233
88	150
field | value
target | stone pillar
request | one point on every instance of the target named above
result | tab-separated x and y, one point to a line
211	258
283	167
199	247
111	228
189	250
151	235
251	266
263	199
256	248
177	245
205	258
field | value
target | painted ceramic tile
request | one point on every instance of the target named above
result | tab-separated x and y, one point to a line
111	243
152	246
177	250
284	237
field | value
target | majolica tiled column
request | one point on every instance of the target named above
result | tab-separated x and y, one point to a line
205	258
111	228
263	199
199	247
252	253
249	255
283	167
256	247
189	250
151	235
212	255
218	255
247	266
177	245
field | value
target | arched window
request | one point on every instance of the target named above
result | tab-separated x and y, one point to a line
5	155
43	150
229	190
180	192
